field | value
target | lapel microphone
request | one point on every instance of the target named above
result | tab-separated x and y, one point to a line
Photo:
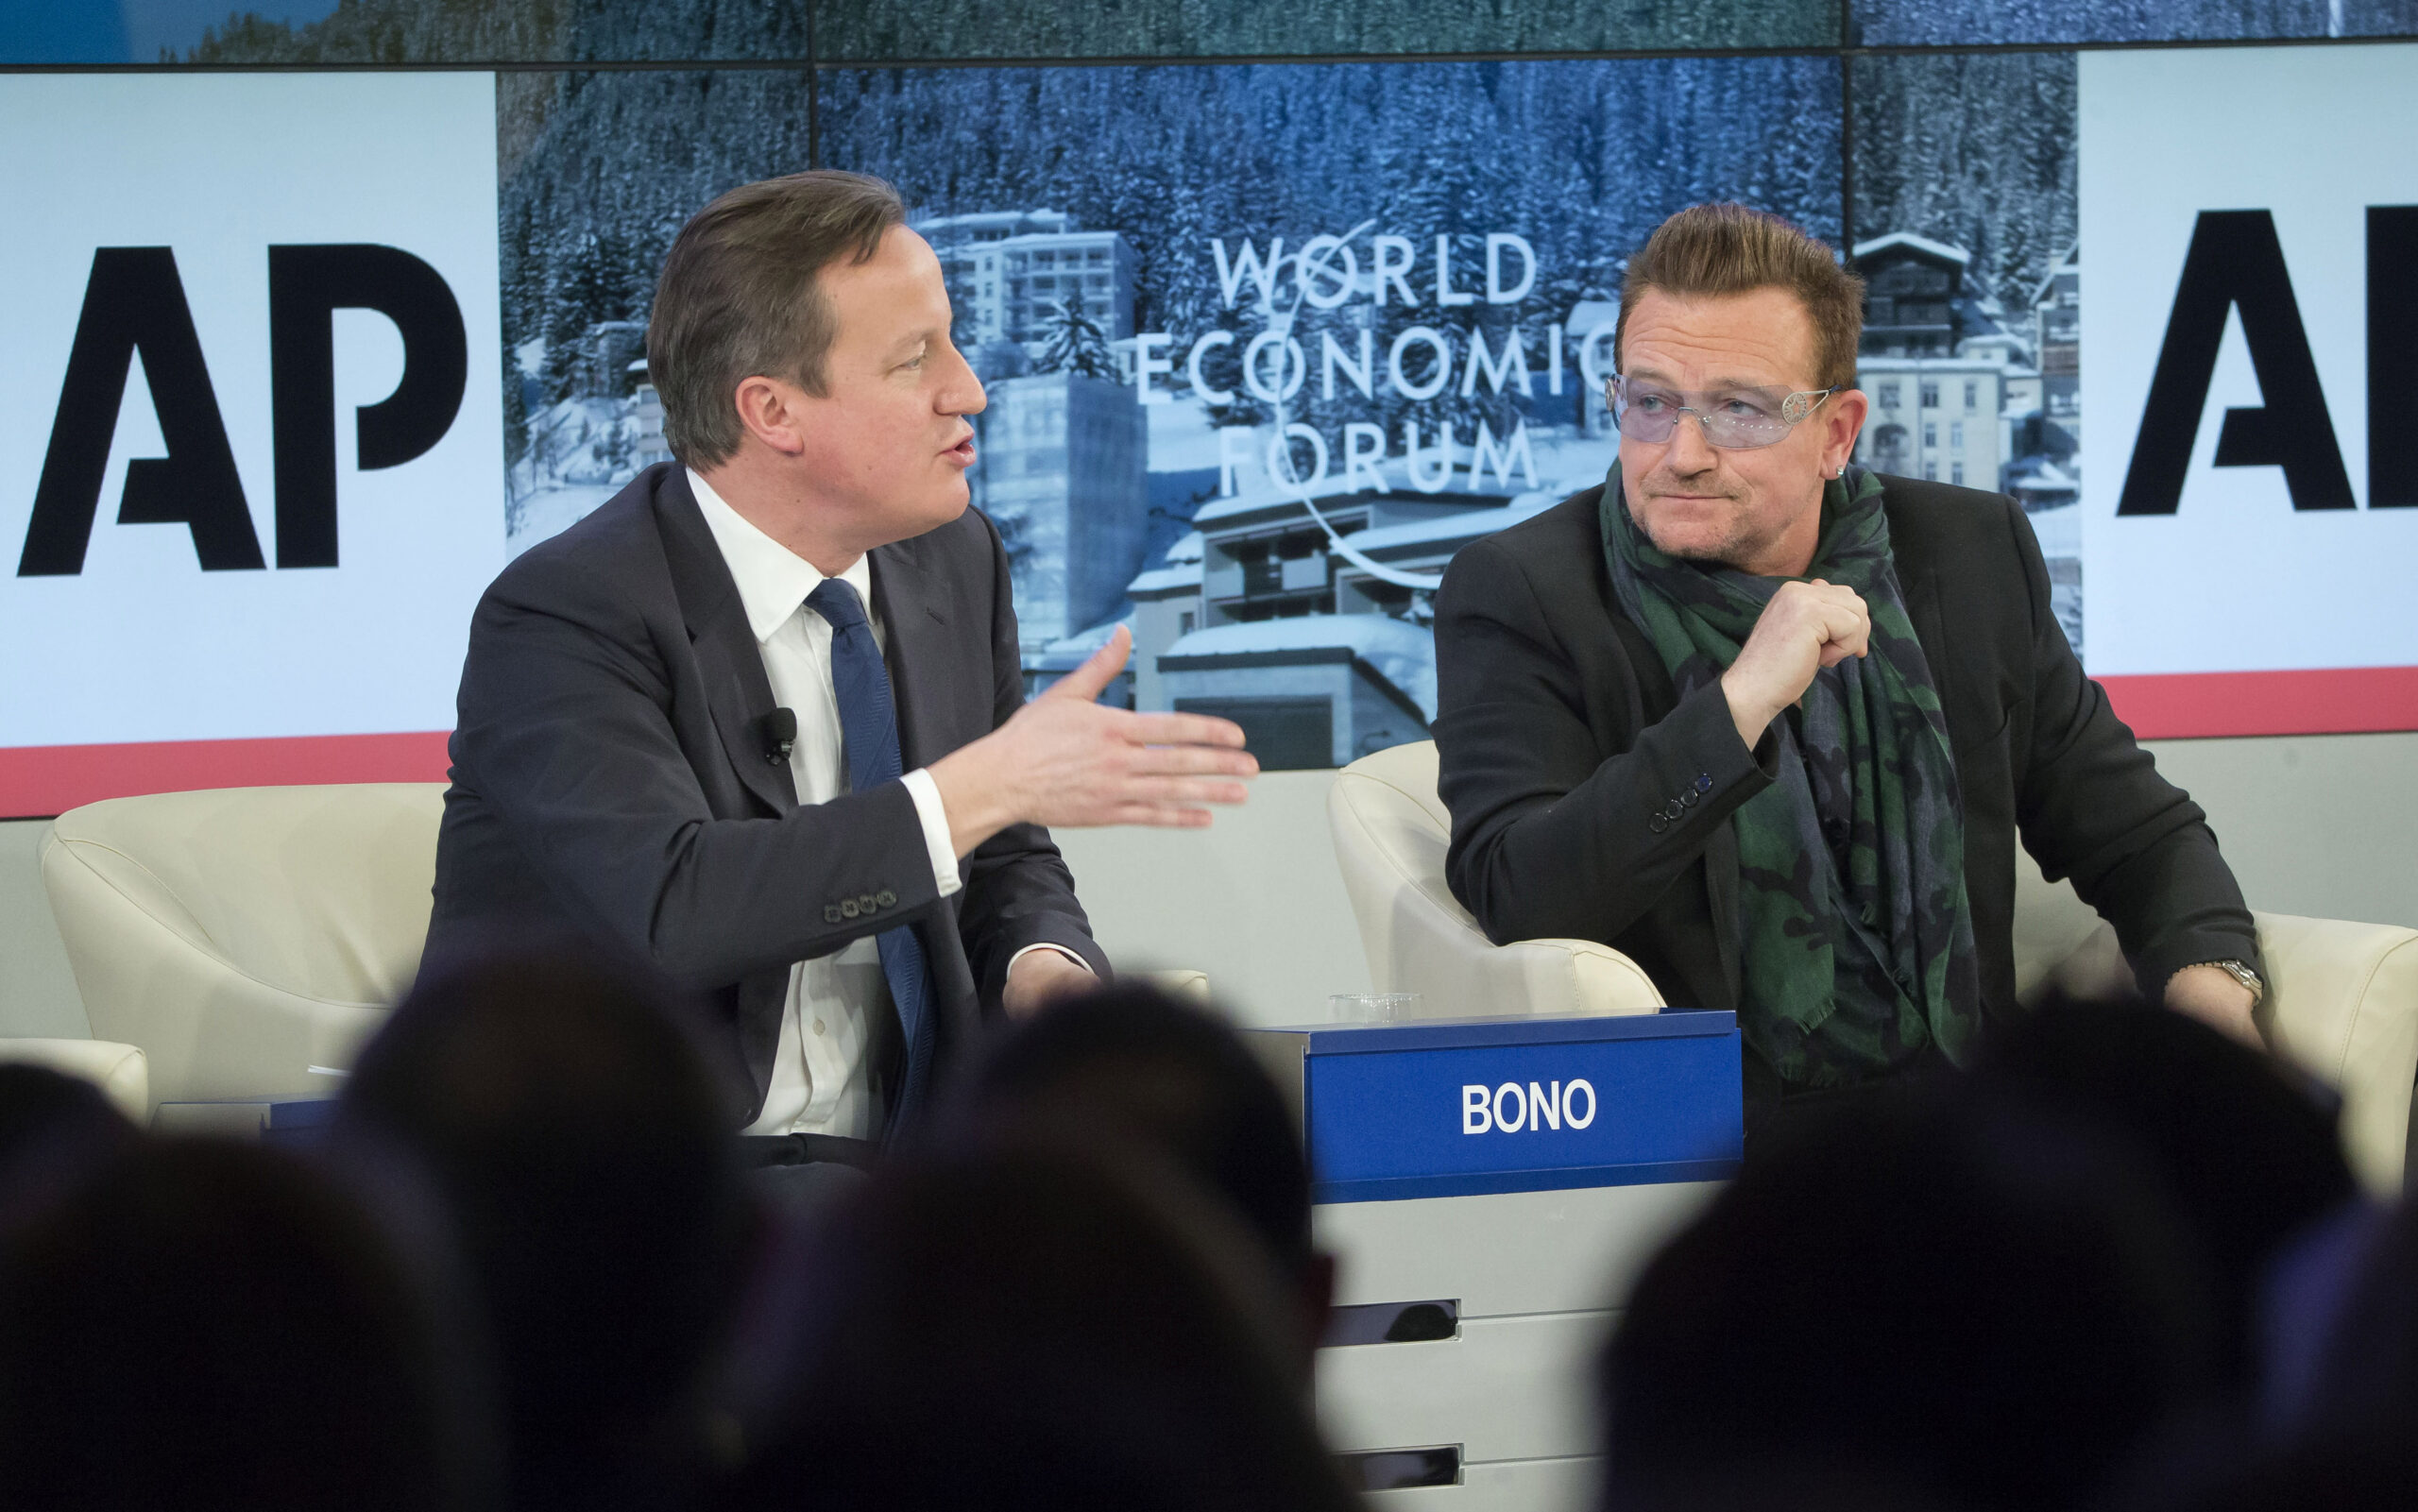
780	733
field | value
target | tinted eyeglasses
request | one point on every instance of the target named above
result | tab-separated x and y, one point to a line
1734	420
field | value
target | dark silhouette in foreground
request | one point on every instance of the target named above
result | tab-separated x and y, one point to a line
1937	1299
1025	1330
574	1133
2249	1156
213	1324
1130	1069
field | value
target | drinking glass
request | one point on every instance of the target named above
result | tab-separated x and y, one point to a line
1373	1008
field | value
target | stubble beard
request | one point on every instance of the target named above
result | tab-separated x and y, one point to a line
1734	548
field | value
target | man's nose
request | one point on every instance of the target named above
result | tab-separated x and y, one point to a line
962	394
1689	449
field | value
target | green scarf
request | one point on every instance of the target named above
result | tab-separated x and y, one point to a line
1856	942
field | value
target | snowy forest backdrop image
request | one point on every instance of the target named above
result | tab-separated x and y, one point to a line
1266	343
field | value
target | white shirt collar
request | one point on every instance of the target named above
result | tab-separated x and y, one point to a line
773	580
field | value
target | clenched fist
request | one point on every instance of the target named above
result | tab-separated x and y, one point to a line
1806	627
1065	760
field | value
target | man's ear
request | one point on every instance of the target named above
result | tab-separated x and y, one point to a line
1843	421
773	411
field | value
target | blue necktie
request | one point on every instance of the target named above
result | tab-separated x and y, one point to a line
869	726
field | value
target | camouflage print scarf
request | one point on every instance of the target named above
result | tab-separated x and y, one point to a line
1857	943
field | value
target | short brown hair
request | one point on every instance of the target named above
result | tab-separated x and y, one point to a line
1712	250
738	298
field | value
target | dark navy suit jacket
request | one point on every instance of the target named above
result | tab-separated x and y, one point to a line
610	776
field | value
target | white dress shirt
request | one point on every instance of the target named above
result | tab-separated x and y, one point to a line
821	1082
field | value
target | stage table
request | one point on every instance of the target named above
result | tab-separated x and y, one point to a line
1491	1189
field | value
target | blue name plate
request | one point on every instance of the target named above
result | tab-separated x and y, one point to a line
1454	1106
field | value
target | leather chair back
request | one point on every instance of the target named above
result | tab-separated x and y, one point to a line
245	936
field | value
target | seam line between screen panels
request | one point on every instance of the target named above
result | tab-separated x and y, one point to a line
1218	60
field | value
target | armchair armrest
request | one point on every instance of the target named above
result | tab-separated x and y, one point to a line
1390	836
1565	978
1183	985
2342	1001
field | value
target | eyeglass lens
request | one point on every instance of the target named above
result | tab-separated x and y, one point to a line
1735	420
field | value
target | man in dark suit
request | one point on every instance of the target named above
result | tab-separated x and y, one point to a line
760	719
1772	725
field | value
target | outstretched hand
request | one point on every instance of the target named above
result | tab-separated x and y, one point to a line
1066	760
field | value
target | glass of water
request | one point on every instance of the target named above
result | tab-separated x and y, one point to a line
1373	1008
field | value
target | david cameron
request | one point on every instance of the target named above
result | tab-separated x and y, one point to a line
759	720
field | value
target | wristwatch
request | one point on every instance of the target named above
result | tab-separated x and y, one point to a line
2242	973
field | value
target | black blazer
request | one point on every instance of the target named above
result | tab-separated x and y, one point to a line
1562	738
609	772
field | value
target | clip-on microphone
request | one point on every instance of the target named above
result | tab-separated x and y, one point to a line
780	733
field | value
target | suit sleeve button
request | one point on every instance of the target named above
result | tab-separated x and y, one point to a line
885	898
848	908
831	913
865	903
1658	824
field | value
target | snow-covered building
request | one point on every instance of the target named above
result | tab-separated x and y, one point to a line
1947	374
1912	288
646	407
1312	691
2038	483
1061	656
2056	318
1009	271
1063	475
1259	616
1935	417
1166	609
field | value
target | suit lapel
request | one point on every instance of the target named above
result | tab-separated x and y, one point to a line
728	659
918	647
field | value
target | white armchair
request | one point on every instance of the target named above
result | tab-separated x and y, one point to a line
2342	1000
246	936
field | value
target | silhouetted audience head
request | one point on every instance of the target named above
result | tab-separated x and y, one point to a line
573	1131
52	1127
2355	1373
36	1103
1946	1299
2366	1472
2248	1155
1129	1068
211	1324
1019	1330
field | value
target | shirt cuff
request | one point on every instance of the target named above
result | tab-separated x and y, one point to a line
1045	945
928	808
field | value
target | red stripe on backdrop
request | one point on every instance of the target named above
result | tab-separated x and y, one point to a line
41	780
2321	701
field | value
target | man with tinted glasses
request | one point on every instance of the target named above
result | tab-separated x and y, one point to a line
1771	723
